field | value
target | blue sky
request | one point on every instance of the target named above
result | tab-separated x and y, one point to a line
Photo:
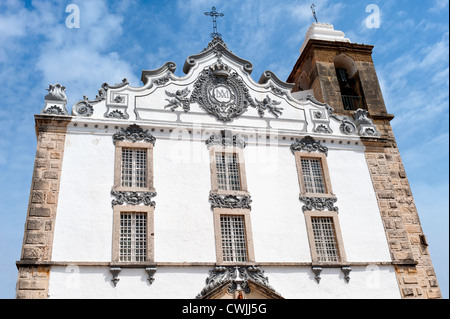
119	39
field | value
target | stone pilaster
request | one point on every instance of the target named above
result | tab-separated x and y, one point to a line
39	227
406	240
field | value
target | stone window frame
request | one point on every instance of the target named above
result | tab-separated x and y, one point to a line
217	212
242	174
309	214
325	171
149	210
118	166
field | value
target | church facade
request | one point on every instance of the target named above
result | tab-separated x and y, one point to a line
212	185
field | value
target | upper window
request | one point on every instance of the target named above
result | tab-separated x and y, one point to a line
228	174
313	174
227	170
133	170
134	167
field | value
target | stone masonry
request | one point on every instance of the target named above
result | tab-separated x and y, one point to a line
34	274
407	243
406	240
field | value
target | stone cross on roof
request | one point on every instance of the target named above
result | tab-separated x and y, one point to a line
214	14
313	9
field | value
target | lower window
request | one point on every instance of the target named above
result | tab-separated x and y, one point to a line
234	240
133	237
325	239
132	234
233	236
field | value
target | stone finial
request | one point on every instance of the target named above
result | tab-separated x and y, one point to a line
56	92
55	100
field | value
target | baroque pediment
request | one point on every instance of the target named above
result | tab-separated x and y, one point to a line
218	89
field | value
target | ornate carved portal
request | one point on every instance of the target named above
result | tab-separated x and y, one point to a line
237	282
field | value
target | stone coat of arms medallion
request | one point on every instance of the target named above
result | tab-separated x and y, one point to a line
221	92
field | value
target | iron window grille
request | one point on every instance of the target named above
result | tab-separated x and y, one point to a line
313	175
325	239
134	167
234	241
133	237
228	174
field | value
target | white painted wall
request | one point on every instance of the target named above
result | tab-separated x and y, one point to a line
371	282
183	221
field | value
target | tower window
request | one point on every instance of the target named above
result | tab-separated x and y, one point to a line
349	83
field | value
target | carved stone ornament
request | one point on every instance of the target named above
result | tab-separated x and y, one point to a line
84	107
226	139
134	133
133	198
180	99
230	201
237	277
322	128
116	114
364	124
317	270
55	110
347	127
319	203
221	92
213	43
151	273
346	270
269	105
308	144
55	100
56	92
115	273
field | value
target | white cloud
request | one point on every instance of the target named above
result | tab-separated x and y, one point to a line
439	6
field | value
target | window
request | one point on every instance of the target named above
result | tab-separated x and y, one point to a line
313	175
132	234
234	242
325	237
133	167
228	171
133	237
349	83
228	177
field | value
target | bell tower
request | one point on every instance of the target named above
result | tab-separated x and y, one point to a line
342	74
339	72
